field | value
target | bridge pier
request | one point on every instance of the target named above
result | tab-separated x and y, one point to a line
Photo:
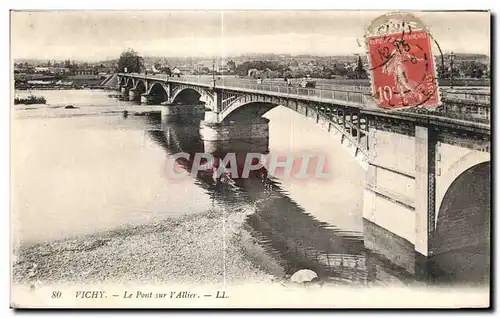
132	95
425	188
217	134
181	112
145	99
399	197
124	91
212	118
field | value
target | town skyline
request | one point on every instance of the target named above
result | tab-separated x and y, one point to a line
103	35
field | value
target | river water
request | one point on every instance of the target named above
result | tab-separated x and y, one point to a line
86	170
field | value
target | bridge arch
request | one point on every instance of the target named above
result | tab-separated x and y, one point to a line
158	92
463	218
140	87
130	83
462	164
243	111
122	80
245	107
187	95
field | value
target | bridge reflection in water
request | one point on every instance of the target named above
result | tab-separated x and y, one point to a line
296	239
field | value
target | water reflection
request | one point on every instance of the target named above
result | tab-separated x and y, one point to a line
292	236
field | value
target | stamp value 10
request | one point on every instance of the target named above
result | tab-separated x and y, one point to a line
402	68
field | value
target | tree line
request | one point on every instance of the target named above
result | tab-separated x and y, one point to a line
272	69
131	62
466	69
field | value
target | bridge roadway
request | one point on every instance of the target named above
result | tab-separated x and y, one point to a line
480	98
461	107
481	94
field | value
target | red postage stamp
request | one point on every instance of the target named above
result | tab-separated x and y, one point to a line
401	62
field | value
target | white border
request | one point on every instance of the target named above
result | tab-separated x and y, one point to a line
185	4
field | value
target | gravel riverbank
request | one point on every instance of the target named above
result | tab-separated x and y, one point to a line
184	250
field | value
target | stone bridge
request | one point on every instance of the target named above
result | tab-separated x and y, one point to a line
427	173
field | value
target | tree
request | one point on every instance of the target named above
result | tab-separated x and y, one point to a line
359	71
243	68
157	66
231	65
130	61
167	70
287	73
473	69
339	69
444	71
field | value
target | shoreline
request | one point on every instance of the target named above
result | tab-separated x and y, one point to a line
186	250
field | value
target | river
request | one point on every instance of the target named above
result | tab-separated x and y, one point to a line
89	170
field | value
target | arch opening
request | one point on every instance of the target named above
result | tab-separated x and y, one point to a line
123	80
140	88
250	112
187	96
158	94
130	83
461	241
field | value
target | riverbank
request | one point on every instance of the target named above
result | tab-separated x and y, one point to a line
30	100
184	250
62	88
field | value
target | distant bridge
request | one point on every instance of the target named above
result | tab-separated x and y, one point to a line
419	165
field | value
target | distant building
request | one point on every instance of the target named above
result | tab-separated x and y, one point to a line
222	69
185	69
63	83
86	71
253	72
176	71
42	69
39	82
105	70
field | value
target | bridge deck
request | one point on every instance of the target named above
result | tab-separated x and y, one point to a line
482	95
349	96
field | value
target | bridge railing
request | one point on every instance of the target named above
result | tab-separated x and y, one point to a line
312	93
268	85
347	94
450	107
476	94
453	100
247	81
468	95
470	112
326	91
446	93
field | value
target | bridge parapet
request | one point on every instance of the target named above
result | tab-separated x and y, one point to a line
471	106
343	97
481	96
350	93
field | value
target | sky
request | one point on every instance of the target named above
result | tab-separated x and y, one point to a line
101	35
